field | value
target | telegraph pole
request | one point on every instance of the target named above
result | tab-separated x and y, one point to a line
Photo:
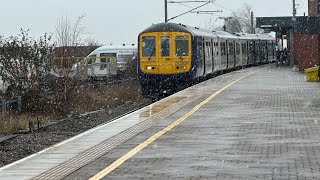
166	11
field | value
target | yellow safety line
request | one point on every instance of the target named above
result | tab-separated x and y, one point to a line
138	148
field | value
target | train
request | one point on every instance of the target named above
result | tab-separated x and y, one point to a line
107	61
173	56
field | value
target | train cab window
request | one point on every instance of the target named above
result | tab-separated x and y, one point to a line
182	46
165	45
92	59
148	46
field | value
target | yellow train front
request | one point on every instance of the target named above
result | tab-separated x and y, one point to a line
165	63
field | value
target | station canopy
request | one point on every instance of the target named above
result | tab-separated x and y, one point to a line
301	24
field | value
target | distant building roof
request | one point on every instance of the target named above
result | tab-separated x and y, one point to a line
75	51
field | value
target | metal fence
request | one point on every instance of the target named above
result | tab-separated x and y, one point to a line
12	104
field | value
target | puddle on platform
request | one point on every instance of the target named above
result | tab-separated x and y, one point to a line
154	109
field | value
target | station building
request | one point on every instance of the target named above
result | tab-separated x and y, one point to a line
302	33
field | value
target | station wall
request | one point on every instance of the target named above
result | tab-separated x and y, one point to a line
306	47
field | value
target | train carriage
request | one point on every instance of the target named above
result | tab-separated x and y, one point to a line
173	55
109	61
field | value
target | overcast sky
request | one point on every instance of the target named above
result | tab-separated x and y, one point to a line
120	21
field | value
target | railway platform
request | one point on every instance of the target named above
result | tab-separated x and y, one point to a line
256	123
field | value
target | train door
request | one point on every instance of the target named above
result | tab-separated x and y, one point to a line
216	55
208	56
266	50
91	62
212	53
274	49
108	64
238	54
224	55
257	52
201	57
270	51
243	53
248	52
263	53
252	52
165	53
231	54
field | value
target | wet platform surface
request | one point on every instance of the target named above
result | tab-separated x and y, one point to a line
264	126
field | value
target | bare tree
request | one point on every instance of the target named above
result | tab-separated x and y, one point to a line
241	20
211	25
244	15
90	41
233	24
68	39
69	33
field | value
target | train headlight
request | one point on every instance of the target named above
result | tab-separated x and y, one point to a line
150	68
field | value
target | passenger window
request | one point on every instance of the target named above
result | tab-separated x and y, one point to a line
108	57
237	48
182	46
165	45
148	46
231	49
103	59
222	48
216	48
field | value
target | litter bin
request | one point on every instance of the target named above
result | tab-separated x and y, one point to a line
312	74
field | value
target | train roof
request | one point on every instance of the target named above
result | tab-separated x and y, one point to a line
173	27
223	34
255	36
117	47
